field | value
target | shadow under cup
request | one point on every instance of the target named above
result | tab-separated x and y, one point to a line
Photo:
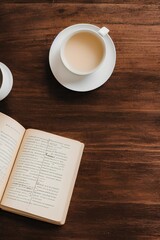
83	52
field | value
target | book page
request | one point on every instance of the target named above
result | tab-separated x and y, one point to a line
43	177
11	134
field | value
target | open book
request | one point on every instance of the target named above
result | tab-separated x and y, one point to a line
37	171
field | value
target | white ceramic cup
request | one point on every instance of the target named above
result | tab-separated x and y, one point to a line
83	51
7	81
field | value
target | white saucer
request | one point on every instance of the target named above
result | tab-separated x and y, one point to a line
76	82
7	81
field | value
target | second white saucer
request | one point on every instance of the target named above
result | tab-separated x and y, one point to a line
7	81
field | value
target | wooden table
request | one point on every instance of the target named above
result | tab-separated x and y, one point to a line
117	192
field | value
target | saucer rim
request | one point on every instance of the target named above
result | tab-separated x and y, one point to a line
74	87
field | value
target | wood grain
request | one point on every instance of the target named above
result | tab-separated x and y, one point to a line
85	1
117	192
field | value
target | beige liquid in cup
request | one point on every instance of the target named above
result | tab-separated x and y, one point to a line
84	51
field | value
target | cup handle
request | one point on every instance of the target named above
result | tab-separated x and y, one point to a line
103	31
7	81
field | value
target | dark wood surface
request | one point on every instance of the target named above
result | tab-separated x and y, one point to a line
117	192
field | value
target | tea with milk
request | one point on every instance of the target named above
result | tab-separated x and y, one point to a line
84	51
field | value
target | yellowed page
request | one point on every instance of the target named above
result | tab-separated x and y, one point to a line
43	177
11	134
